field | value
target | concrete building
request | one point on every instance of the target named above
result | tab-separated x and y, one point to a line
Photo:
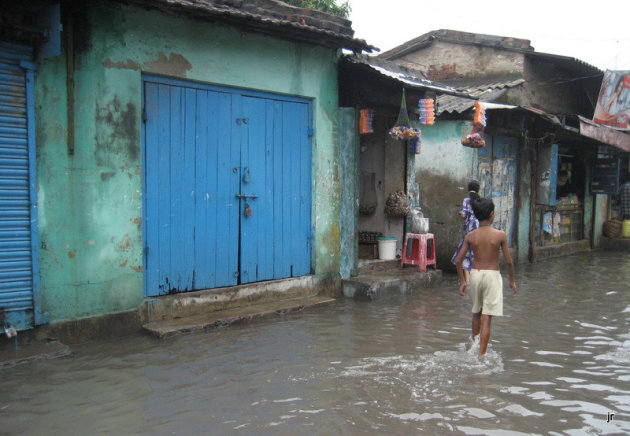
381	164
162	147
537	132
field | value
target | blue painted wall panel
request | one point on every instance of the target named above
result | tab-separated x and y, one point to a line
227	218
253	181
205	183
204	147
296	124
291	126
265	206
189	213
275	164
279	199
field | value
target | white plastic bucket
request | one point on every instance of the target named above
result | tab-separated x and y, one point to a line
387	248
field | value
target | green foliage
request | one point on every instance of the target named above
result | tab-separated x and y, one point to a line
329	6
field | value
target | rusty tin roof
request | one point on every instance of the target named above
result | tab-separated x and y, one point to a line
406	77
483	92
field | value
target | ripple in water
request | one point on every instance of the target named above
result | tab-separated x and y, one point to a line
558	363
439	365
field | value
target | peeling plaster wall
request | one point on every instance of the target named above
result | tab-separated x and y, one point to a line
443	60
443	170
349	171
90	204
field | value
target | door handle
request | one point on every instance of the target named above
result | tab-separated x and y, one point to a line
246	196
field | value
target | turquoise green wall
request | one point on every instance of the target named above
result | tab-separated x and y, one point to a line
90	204
349	185
443	169
442	151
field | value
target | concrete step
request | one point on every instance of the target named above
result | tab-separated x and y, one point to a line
563	249
369	265
187	304
170	327
377	284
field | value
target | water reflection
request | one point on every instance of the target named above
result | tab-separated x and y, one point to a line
558	363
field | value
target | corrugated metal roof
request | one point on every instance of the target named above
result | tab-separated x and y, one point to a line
575	65
271	17
488	92
604	134
407	77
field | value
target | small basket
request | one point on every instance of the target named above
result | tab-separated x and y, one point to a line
397	205
612	228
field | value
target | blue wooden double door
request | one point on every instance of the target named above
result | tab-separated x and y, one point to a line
227	186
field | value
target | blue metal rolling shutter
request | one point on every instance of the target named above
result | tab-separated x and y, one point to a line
16	251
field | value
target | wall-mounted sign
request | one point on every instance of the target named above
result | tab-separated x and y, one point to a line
613	104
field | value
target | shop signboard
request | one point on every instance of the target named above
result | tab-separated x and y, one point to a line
613	103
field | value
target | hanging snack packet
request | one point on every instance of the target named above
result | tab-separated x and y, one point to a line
479	119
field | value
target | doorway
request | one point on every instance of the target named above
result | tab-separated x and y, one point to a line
227	184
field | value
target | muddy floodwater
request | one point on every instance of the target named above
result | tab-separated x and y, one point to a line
558	363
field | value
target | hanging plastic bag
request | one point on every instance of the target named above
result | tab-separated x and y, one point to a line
426	111
403	130
403	115
476	138
479	118
366	119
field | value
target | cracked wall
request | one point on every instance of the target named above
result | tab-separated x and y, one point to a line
90	203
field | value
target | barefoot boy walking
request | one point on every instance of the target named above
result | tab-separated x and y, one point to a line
486	284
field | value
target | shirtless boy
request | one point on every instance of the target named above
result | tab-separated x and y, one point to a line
486	284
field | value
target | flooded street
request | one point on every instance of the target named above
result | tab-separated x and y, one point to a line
558	363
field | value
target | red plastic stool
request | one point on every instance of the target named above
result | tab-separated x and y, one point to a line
419	255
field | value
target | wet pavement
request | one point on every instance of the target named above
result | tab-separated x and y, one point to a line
558	363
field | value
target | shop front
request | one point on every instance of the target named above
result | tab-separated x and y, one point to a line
392	108
561	194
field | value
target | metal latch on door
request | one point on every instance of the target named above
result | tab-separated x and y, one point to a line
247	211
